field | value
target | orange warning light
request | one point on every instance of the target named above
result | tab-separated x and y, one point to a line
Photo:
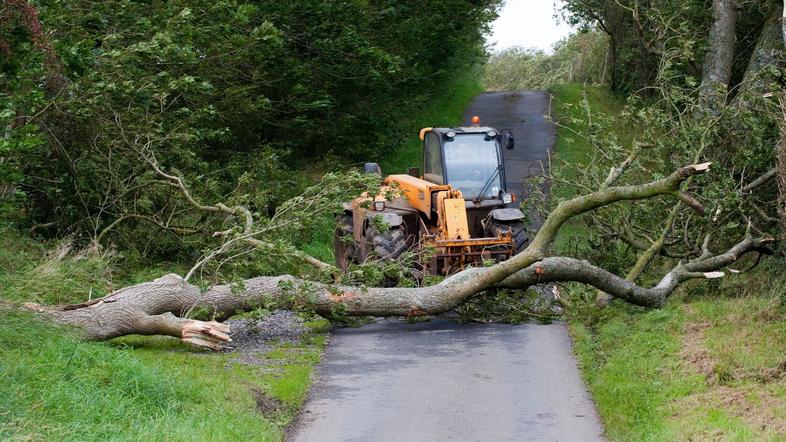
476	120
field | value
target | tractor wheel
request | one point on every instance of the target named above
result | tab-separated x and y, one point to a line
517	228
387	246
344	245
390	244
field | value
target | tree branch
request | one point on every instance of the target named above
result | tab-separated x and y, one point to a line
562	269
144	308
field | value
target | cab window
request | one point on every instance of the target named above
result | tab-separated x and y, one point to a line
433	172
474	165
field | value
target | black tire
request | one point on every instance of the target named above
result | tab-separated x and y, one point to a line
517	228
344	246
387	246
390	244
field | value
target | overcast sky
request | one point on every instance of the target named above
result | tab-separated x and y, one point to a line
527	23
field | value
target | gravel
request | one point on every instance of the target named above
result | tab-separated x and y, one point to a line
252	338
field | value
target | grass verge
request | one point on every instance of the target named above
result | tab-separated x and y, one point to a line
55	386
445	108
570	103
708	366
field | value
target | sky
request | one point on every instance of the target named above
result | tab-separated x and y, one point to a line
527	23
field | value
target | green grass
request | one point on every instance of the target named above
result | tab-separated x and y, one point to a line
290	383
625	359
320	245
54	386
708	366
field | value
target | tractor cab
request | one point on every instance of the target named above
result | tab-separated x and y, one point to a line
453	215
468	159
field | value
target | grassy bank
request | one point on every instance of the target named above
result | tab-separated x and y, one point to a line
54	386
446	108
708	366
571	102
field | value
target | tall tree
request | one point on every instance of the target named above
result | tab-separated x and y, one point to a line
719	59
781	160
769	46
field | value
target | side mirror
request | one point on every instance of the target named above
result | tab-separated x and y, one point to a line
508	140
414	171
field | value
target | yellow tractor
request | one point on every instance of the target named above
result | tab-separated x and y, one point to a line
455	214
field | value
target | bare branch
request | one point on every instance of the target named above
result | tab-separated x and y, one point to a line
758	182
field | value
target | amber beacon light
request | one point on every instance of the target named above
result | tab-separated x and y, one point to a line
476	120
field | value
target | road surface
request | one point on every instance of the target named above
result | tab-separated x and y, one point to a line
445	381
521	112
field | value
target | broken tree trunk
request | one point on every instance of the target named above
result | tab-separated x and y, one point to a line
163	305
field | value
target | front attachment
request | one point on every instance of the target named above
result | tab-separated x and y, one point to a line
445	257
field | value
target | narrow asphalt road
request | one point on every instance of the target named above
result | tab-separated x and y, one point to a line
442	380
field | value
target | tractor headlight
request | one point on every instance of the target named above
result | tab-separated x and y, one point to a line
507	198
379	206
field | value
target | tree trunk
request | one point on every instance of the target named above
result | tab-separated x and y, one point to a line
150	308
720	54
164	305
780	167
769	49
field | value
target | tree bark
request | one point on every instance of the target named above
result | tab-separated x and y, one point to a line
780	166
163	305
150	308
720	54
769	48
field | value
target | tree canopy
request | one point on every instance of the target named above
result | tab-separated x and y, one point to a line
232	95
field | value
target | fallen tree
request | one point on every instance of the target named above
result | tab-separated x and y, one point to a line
166	305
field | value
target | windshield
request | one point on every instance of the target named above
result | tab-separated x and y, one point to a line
471	163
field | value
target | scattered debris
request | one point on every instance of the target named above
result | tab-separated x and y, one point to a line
252	338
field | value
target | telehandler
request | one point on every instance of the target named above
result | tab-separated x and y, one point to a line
455	214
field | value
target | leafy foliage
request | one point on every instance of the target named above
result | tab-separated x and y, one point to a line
579	58
642	33
230	96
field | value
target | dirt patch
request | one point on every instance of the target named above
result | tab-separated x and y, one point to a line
763	375
758	408
266	405
700	360
753	396
252	338
693	350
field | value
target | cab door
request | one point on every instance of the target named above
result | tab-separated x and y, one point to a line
433	163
